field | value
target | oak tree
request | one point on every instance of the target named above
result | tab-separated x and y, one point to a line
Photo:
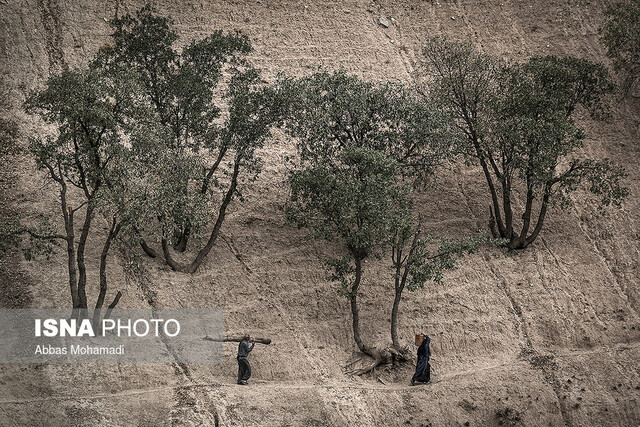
87	155
354	198
362	148
518	122
213	109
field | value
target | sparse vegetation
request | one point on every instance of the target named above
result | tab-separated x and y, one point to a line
418	258
156	142
547	334
509	417
621	36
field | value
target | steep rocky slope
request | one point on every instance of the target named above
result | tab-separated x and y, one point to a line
549	335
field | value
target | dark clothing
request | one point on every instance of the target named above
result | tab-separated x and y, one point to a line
423	368
244	368
244	349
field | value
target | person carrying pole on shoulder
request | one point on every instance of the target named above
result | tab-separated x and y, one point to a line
244	368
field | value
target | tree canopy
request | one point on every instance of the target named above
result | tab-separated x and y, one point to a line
328	111
210	147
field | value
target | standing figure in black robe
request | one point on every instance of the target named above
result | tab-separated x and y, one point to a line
423	368
244	368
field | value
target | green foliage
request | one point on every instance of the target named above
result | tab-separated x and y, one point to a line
97	147
93	150
196	144
568	82
355	198
91	112
362	146
354	195
517	121
9	231
40	240
249	119
102	144
621	36
180	85
342	273
418	258
535	131
327	112
39	244
462	81
355	141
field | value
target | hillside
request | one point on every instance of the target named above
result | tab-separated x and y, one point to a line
550	335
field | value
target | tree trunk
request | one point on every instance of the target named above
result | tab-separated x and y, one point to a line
397	261
526	216
207	179
522	241
492	224
394	319
193	266
112	305
380	357
506	206
113	232
148	249
541	216
175	265
492	189
399	286
82	269
67	214
181	245
355	312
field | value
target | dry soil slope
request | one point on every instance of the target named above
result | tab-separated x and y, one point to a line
551	333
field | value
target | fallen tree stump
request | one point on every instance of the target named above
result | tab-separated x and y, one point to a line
237	338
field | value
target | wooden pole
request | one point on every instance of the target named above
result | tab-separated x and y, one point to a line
237	338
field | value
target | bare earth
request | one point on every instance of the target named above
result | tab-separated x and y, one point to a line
551	334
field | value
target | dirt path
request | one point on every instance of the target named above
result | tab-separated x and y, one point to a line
274	386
